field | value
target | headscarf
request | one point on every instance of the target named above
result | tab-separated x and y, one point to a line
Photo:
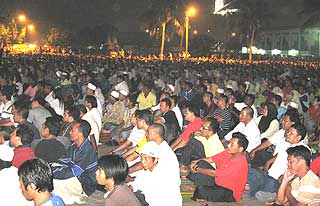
265	121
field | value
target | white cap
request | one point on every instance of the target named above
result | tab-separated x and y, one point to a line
220	91
6	154
171	87
229	86
91	86
294	105
151	149
115	94
123	92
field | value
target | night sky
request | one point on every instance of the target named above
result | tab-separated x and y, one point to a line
123	14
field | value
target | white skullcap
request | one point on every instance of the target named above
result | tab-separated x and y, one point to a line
123	92
294	105
171	87
151	149
229	86
220	91
115	94
91	86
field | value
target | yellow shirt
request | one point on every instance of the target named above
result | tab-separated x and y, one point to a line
146	102
142	142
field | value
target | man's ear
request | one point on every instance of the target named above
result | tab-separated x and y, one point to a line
31	187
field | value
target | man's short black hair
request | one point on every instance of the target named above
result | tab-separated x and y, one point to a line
175	99
145	115
225	98
84	127
25	133
208	94
73	112
167	101
242	140
278	99
114	167
300	152
7	92
37	172
214	124
192	108
293	116
91	100
53	125
301	130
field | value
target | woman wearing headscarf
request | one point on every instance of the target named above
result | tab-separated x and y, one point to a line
267	122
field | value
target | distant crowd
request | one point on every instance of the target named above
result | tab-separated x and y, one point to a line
226	126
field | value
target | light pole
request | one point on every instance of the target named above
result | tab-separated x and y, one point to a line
190	12
162	40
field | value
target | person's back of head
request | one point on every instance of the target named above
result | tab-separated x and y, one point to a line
36	174
301	130
84	127
293	116
25	133
114	167
145	115
73	112
53	125
193	109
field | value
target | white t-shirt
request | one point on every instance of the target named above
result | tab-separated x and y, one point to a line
162	185
179	116
251	131
10	188
94	118
136	135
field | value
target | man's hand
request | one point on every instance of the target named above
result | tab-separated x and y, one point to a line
252	154
193	166
288	175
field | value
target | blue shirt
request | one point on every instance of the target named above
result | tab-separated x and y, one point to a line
53	201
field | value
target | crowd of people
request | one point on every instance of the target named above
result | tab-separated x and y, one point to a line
226	125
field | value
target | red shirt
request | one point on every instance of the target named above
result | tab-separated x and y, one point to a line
231	173
315	166
22	154
191	128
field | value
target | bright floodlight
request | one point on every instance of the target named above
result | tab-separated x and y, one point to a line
31	27
22	18
191	11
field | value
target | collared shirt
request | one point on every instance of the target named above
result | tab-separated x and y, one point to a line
251	131
115	115
94	118
279	166
179	116
307	189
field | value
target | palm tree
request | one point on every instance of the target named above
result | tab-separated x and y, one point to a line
163	15
251	15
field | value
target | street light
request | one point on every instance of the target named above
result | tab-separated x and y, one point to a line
190	12
22	18
31	27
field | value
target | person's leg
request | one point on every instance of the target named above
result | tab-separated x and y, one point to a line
256	180
271	184
260	159
192	151
213	194
70	190
201	179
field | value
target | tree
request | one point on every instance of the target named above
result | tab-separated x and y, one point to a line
57	37
250	17
163	15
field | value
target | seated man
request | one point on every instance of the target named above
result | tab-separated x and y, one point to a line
49	148
158	184
264	184
35	177
225	183
112	172
248	127
300	186
168	118
134	138
74	176
6	152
